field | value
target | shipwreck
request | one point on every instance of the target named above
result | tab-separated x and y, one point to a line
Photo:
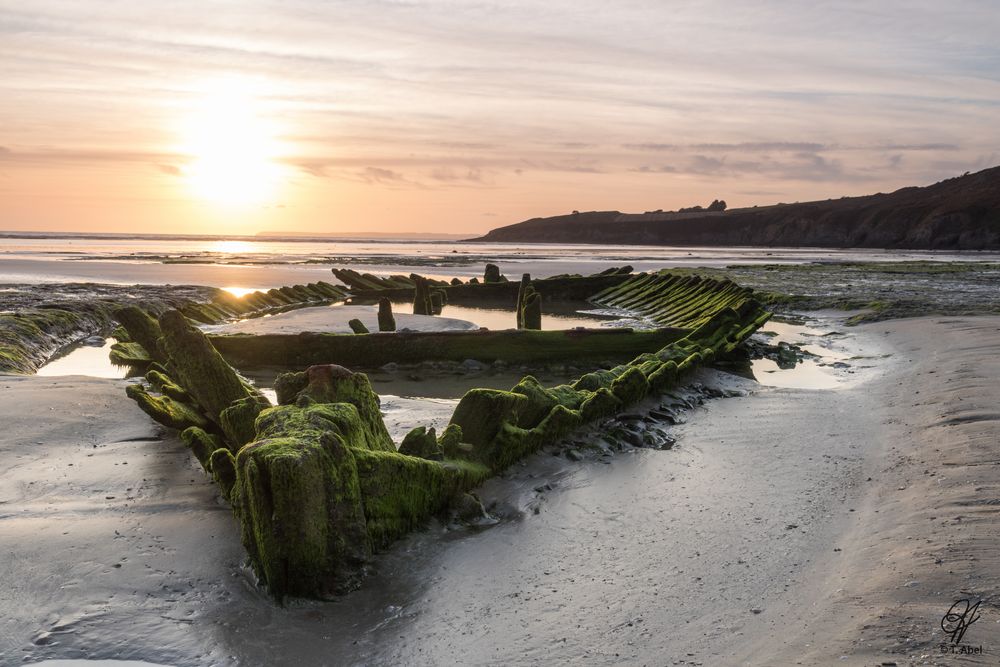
317	484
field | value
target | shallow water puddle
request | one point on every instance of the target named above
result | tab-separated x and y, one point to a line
497	319
807	374
88	360
826	370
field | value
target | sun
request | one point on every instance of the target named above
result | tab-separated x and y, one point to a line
233	148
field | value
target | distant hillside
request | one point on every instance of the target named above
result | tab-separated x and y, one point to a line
960	213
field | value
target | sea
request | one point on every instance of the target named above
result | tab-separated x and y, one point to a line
246	263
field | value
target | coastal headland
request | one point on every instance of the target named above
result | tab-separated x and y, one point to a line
961	213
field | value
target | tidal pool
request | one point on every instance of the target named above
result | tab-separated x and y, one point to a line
89	360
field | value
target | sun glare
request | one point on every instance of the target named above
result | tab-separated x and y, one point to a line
233	148
230	247
240	292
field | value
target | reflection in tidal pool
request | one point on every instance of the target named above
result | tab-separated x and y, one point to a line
86	360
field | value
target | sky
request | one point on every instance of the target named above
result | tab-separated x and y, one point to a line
242	116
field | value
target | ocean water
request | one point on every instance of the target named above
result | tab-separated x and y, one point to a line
248	263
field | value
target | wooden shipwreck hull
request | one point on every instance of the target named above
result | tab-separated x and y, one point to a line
317	484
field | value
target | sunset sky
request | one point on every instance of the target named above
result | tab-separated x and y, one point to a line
456	117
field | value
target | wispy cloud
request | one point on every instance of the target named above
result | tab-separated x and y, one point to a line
381	176
798	167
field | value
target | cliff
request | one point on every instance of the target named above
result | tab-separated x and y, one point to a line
960	213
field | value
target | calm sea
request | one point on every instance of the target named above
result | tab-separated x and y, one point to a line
252	263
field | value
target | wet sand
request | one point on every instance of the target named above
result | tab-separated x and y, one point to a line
738	546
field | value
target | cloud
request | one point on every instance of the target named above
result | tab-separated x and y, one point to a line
917	147
382	176
171	169
452	175
317	168
743	147
802	166
570	166
788	147
48	156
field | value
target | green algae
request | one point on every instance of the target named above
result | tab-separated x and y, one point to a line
166	410
357	326
129	354
298	500
451	442
522	292
223	467
197	366
30	336
142	329
422	304
514	346
422	442
531	316
202	444
437	302
399	493
166	386
239	419
331	384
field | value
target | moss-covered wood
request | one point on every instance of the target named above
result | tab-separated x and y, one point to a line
139	333
492	274
377	349
502	294
531	312
422	297
386	321
322	486
504	426
198	367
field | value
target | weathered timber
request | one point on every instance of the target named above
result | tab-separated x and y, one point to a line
315	495
531	312
139	332
492	274
386	321
376	349
504	294
422	298
522	291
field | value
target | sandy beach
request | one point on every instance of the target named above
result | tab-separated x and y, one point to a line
788	526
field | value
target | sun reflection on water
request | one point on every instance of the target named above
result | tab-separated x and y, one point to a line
240	292
230	247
